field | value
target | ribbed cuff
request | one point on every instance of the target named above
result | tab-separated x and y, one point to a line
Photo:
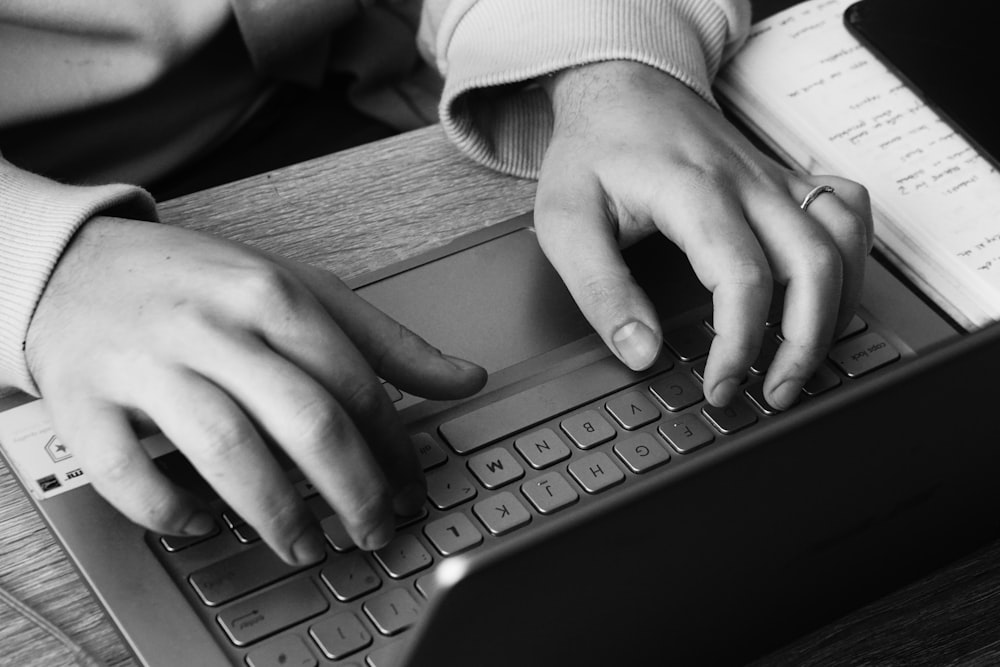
38	217
507	127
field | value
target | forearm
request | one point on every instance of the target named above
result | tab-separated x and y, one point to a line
489	50
38	217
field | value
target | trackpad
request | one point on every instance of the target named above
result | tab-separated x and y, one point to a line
500	302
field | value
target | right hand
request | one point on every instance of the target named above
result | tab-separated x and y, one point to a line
228	350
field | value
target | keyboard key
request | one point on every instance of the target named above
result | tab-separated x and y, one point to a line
822	381
305	488
394	394
688	343
632	410
676	391
452	534
447	487
532	406
392	611
501	513
863	354
175	543
267	612
588	429
283	651
542	448
350	576
641	453
495	467
686	433
246	534
768	348
855	326
341	635
549	492
232	519
429	453
239	574
390	655
336	534
730	418
596	472
426	585
403	556
755	393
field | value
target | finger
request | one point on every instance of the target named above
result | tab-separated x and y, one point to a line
581	245
318	433
846	216
729	262
101	436
393	351
289	318
220	441
803	257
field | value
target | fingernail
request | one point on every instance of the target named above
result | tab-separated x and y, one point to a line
410	500
310	547
636	344
461	364
379	537
724	391
786	394
200	524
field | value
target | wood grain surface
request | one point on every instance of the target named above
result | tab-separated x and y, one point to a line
363	209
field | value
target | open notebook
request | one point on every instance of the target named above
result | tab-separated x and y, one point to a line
828	105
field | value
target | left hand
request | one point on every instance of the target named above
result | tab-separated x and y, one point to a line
634	151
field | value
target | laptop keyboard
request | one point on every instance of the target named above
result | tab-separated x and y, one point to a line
497	470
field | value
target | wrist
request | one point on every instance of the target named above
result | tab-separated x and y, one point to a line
611	82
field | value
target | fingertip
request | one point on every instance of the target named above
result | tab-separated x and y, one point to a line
785	395
723	392
309	547
410	500
379	537
473	375
200	523
636	344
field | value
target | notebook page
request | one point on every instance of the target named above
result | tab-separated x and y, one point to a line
829	102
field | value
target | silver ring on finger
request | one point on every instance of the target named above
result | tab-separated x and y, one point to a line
814	193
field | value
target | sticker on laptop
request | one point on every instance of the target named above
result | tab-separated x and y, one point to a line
45	466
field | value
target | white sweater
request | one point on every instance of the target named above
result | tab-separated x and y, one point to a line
98	97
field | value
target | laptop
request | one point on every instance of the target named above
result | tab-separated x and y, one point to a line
579	513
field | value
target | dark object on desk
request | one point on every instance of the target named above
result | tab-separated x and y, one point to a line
945	52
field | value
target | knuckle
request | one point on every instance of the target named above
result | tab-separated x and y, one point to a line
110	465
369	508
365	398
269	287
162	513
755	275
320	424
601	290
279	515
223	438
823	259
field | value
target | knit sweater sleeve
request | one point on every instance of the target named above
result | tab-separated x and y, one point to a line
491	50
38	217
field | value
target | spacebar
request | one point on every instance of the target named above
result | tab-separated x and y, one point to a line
488	424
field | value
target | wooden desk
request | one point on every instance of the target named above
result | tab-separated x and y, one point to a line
363	209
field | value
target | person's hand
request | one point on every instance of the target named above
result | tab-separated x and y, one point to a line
635	151
228	352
